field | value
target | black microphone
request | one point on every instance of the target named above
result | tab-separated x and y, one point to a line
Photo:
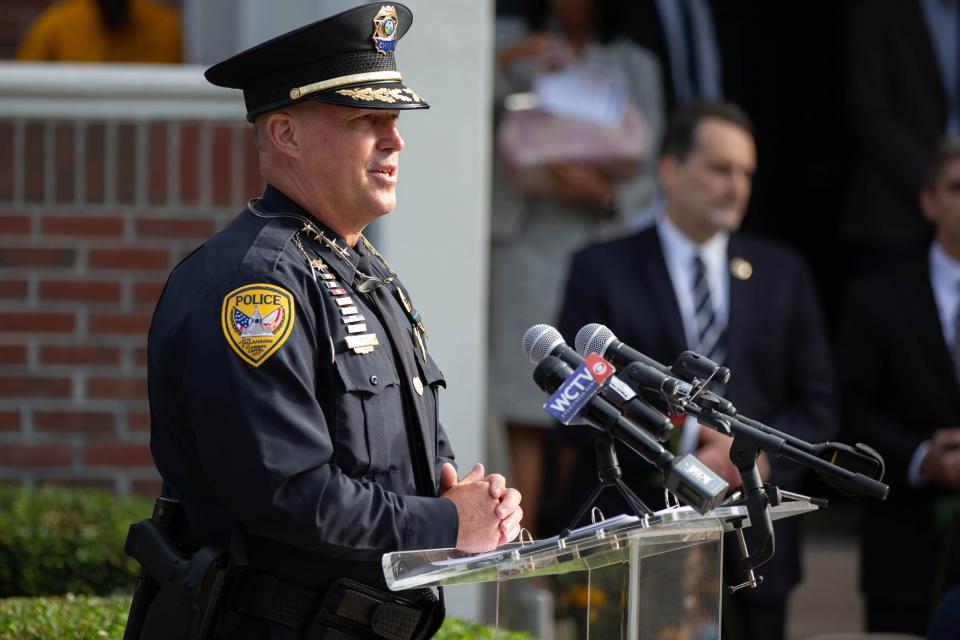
685	477
542	340
647	372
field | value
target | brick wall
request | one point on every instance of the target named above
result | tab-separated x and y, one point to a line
93	215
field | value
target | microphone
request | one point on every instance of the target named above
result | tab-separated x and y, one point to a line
647	372
542	340
686	477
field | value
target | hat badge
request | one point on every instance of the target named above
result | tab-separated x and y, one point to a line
385	26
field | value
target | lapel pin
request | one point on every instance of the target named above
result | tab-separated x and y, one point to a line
741	269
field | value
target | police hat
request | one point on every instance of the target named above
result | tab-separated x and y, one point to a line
346	59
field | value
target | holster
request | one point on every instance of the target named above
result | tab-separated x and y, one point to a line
176	595
344	610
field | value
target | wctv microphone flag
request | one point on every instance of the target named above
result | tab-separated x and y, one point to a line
569	400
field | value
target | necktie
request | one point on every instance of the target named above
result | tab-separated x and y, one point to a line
400	340
711	334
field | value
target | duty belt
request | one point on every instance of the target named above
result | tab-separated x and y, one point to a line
345	609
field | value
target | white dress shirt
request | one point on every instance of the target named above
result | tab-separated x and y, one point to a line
679	252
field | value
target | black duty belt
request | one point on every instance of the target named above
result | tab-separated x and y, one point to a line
345	609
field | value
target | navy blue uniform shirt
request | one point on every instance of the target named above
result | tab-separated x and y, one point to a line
263	416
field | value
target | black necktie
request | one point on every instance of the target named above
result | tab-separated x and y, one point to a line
402	343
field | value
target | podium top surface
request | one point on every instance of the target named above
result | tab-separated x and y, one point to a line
610	541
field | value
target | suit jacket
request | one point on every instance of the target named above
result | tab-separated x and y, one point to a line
899	386
897	109
778	354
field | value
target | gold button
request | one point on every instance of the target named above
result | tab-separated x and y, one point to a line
417	385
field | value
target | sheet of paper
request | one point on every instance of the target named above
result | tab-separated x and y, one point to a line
573	93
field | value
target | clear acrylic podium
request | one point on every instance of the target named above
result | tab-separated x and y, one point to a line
625	577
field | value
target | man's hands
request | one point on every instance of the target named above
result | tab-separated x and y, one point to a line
714	451
941	465
489	511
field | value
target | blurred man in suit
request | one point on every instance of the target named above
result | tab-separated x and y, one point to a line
903	96
900	366
693	282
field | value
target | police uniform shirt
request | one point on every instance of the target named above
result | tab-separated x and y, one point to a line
264	417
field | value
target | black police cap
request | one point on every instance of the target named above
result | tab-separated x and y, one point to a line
346	59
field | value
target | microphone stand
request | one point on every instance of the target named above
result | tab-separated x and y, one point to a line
608	468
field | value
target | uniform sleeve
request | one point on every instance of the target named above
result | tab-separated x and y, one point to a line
265	443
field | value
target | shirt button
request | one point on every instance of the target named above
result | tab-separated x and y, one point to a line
374	380
418	385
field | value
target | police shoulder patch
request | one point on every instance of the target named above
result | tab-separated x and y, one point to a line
257	319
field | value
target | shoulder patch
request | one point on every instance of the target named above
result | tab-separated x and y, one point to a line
257	319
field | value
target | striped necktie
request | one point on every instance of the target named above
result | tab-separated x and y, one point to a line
711	335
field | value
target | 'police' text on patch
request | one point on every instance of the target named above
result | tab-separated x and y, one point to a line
257	319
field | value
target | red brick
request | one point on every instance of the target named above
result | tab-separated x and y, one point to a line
70	421
34	387
80	290
126	163
33	162
37	257
138	420
157	157
6	161
37	322
147	488
122	454
189	163
220	167
13	289
120	322
63	162
175	227
13	354
80	355
9	420
35	455
117	388
82	225
14	225
94	162
129	259
148	292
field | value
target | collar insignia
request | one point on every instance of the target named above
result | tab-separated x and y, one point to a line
256	320
385	26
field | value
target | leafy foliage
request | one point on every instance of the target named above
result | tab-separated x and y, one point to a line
74	617
56	540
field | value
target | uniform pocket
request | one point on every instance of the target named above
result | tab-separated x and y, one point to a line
369	414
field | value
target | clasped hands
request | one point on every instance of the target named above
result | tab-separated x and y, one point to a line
489	511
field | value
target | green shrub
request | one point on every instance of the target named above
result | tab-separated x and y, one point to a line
95	618
56	540
63	618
